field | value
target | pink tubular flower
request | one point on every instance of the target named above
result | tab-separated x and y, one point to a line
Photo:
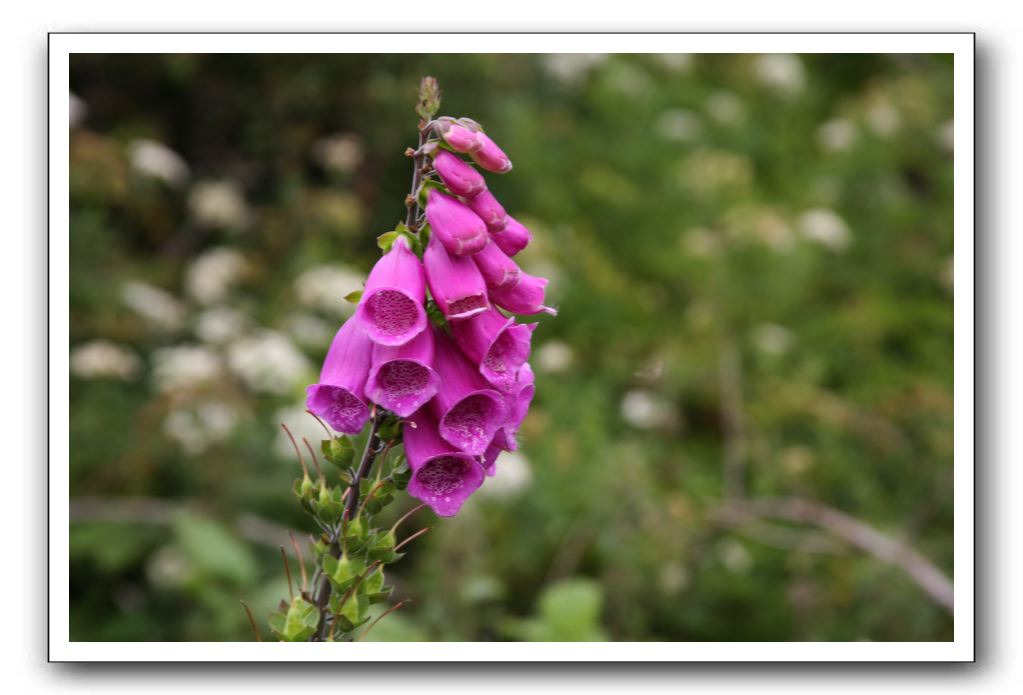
339	397
518	401
391	311
497	344
469	411
486	207
401	378
491	157
455	282
498	271
460	138
513	238
460	178
442	477
524	298
459	228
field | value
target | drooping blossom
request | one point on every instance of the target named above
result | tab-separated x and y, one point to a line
488	209
468	409
498	270
339	396
455	282
490	156
518	400
391	310
526	297
458	227
513	238
460	138
459	176
442	476
401	378
496	343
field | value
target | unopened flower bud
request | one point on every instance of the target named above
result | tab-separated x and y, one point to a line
491	157
524	298
498	271
459	228
460	138
488	209
460	177
513	238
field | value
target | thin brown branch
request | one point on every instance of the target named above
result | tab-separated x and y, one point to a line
860	534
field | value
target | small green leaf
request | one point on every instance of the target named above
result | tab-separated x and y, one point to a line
354	297
339	451
386	240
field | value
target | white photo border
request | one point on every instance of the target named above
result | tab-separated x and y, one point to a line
960	45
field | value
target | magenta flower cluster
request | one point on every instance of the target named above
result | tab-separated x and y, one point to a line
462	390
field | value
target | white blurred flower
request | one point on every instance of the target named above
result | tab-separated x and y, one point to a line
837	135
76	110
946	135
734	556
701	242
156	160
201	425
220	325
301	424
772	339
571	67
309	331
630	80
325	287
554	356
648	410
100	359
882	117
677	62
679	125
340	152
184	367
825	227
797	459
673	577
158	307
725	107
782	72
512	475
267	361
948	273
209	278
219	204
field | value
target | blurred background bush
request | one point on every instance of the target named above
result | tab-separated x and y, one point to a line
752	255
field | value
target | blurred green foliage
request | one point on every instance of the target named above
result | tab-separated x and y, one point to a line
752	260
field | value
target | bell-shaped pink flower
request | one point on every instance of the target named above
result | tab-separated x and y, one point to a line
513	238
526	297
518	400
455	282
391	310
488	209
401	378
442	477
491	157
489	459
498	271
496	343
459	228
460	177
460	138
339	397
468	409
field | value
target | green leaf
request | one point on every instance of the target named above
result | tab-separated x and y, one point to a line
214	549
300	621
386	240
354	296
